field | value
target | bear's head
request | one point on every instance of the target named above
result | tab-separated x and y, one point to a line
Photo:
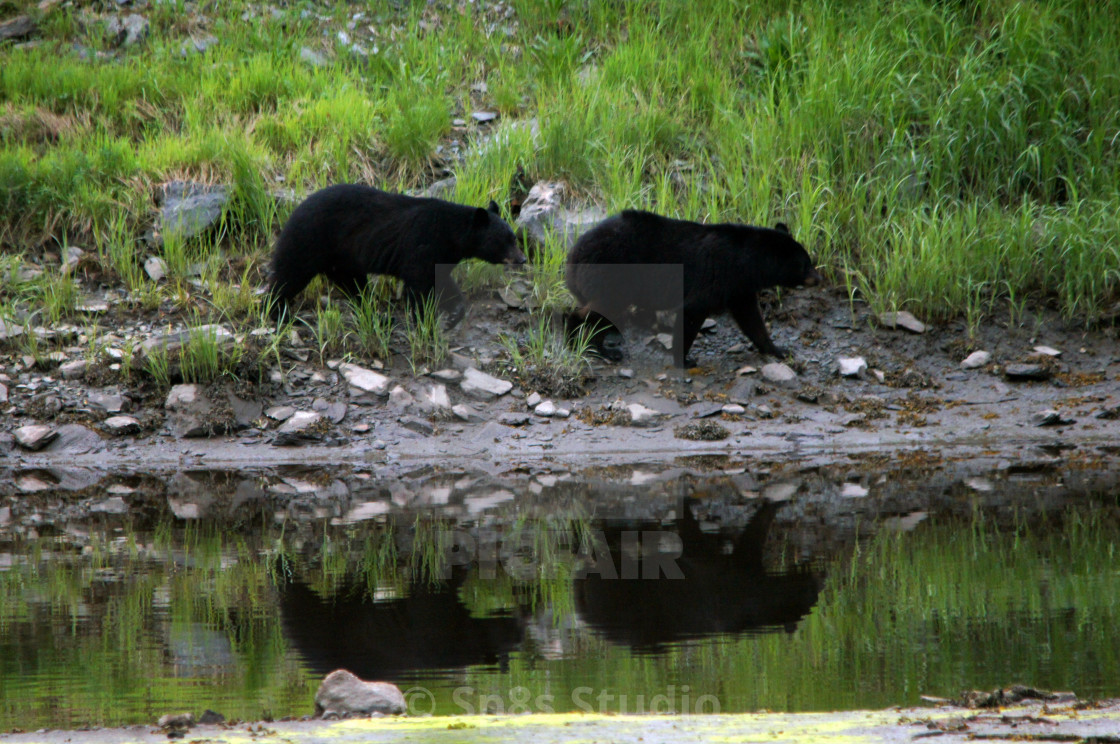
796	268
492	240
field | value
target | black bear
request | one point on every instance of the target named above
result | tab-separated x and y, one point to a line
349	231
636	263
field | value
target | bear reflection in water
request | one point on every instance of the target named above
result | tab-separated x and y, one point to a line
710	590
716	591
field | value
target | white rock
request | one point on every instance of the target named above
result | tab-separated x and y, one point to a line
344	694
73	370
546	408
280	413
779	491
118	425
733	409
852	366
3	393
665	339
364	382
447	375
642	416
155	267
111	505
562	413
779	373
482	386
902	319
300	421
1049	351
976	360
183	396
35	437
437	397
746	370
465	413
853	491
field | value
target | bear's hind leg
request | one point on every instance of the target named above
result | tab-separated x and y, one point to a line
684	333
748	316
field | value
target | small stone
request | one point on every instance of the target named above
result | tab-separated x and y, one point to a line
73	370
778	373
176	720
853	491
364	383
280	413
482	386
533	400
641	415
418	425
3	393
779	491
852	366
400	399
514	419
183	396
562	413
19	27
708	326
209	718
879	375
975	360
482	117
545	409
465	413
108	402
1049	417
121	425
111	505
1031	372
625	373
438	398
447	375
665	339
745	370
155	267
130	30
733	409
299	429
35	437
902	319
1049	351
311	57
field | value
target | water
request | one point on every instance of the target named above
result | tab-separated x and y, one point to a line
694	589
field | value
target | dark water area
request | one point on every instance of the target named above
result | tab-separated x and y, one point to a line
702	586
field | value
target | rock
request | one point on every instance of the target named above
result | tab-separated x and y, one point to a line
902	319
708	326
642	416
533	400
745	370
311	57
418	425
111	505
19	27
71	256
733	409
437	398
107	402
35	437
464	412
483	117
190	209
247	412
665	339
183	397
853	491
545	409
209	718
542	213
343	694
155	267
130	30
447	375
514	419
73	370
482	386
852	366
1049	417
303	427
121	425
779	491
562	413
741	392
1031	372
197	45
702	431
626	373
400	399
75	439
778	373
1049	351
280	413
975	360
364	383
176	721
441	189
3	393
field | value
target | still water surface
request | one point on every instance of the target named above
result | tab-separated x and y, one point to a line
619	592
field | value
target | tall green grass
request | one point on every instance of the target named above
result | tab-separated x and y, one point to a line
949	158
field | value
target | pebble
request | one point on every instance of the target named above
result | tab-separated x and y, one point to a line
976	360
902	319
1035	372
852	366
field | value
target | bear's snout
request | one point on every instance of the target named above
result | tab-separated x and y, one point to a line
515	259
813	279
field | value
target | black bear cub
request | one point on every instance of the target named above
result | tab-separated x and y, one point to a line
349	231
636	263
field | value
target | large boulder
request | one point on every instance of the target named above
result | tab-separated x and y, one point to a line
343	694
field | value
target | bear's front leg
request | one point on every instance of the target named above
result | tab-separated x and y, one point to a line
748	316
685	328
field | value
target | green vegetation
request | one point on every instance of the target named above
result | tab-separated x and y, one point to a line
953	159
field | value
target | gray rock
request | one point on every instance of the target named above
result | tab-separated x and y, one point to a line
3	393
400	399
176	721
19	27
197	45
191	209
482	386
35	437
542	213
280	413
741	392
440	189
778	373
120	425
418	425
514	419
71	256
545	409
184	397
73	370
447	375
75	439
247	412
130	30
902	319
975	360
533	400
364	383
343	694
852	366
301	428
437	398
626	373
1049	417
311	57
333	410
1029	372
107	402
483	117
463	412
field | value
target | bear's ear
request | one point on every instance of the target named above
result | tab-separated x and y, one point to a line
493	208
782	227
481	219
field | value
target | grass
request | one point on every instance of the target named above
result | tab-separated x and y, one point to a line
544	362
952	159
424	332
